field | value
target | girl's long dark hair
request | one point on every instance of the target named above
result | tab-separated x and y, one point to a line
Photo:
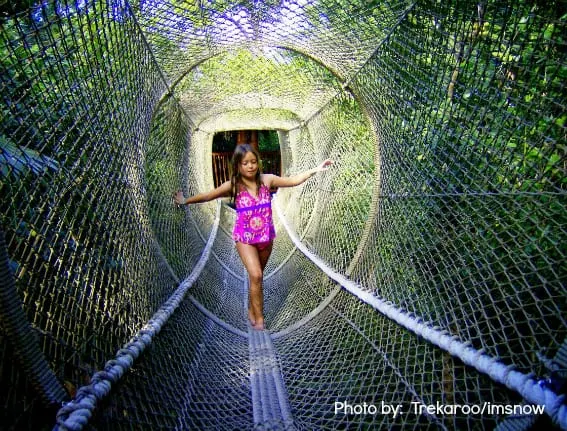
239	153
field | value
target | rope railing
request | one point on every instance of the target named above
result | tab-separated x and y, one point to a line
75	414
532	389
22	337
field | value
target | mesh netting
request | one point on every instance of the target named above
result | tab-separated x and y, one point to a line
446	202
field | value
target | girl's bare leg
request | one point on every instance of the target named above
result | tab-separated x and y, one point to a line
264	255
251	260
255	261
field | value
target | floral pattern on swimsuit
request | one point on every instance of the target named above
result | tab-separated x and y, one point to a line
254	223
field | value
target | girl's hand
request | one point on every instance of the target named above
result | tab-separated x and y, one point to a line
325	165
178	198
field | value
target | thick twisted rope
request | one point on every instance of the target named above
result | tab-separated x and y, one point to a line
74	415
20	334
531	389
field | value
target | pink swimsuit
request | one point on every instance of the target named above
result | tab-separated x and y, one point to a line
254	223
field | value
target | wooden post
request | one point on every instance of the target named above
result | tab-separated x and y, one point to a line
254	139
247	137
241	137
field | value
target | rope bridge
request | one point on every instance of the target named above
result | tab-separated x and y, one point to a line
419	284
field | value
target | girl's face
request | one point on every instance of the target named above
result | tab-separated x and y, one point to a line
248	166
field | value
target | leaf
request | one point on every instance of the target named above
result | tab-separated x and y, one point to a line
548	33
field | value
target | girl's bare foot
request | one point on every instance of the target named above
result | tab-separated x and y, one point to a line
259	325
251	318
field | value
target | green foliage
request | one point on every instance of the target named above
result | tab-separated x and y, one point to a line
164	155
268	140
8	7
244	71
353	145
480	163
224	141
471	122
68	109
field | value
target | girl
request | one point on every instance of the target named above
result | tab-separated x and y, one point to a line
254	228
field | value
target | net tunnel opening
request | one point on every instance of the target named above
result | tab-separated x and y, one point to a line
224	143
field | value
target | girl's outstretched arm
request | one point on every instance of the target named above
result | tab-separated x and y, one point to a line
221	191
295	180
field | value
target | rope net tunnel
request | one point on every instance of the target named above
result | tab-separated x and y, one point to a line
426	268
